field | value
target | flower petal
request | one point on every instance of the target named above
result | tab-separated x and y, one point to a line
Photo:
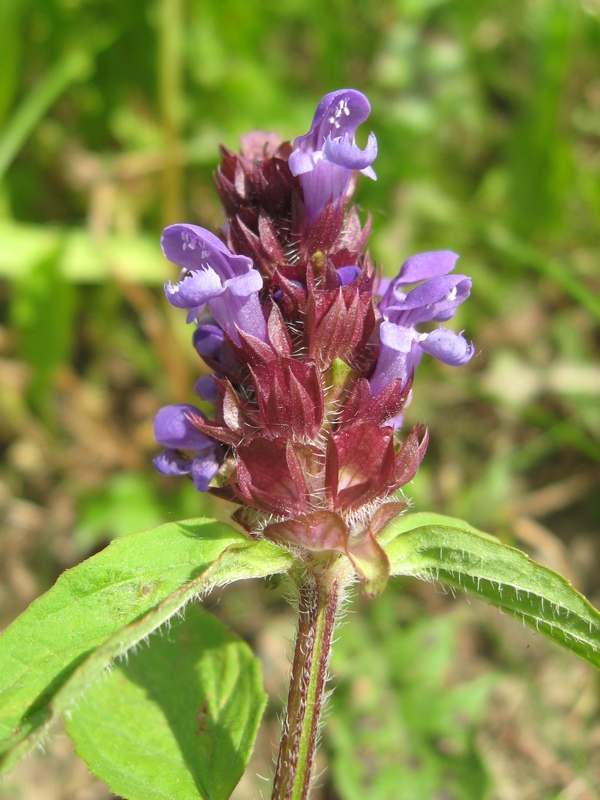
338	114
194	248
169	462
195	289
204	468
346	153
399	356
301	162
245	284
347	275
423	266
173	427
435	300
327	156
448	347
240	311
208	340
206	389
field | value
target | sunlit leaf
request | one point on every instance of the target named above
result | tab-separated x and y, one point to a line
98	610
462	558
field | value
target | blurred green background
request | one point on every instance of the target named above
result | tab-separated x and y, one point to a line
487	115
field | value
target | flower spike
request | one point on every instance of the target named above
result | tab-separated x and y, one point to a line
312	358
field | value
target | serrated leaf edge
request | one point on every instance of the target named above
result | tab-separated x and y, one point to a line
587	647
219	573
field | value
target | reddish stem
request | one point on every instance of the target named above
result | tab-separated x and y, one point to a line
319	596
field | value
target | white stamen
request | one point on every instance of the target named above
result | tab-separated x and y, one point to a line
341	108
188	242
451	296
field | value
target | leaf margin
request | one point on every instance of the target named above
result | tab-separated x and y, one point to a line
461	558
239	559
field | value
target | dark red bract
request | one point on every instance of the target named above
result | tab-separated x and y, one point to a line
305	441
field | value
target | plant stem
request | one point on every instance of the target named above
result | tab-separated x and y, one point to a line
319	599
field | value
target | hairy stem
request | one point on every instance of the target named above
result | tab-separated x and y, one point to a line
319	598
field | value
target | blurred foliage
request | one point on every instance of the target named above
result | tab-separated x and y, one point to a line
488	121
424	745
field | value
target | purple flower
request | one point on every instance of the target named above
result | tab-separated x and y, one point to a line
434	300
346	275
208	340
214	276
206	389
327	155
175	430
312	357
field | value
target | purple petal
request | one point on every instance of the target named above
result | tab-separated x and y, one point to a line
246	284
209	266
194	248
369	172
228	283
195	289
169	462
325	183
243	312
398	421
399	356
347	274
173	428
448	347
345	153
204	468
420	267
301	162
436	299
423	266
327	155
448	289
338	114
208	340
206	389
382	286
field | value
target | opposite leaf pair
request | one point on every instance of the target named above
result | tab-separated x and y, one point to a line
204	722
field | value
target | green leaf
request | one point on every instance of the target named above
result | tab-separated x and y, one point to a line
178	719
98	610
461	557
409	522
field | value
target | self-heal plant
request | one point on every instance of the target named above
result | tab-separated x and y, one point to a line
312	357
